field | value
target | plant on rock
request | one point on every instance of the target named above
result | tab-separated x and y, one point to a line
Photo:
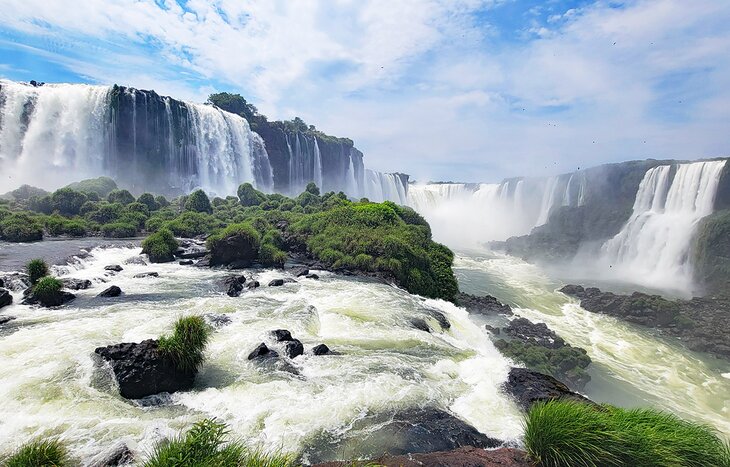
186	344
39	453
160	246
237	242
46	288
198	201
36	268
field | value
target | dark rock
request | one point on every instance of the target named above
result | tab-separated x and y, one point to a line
281	335
252	285
5	298
186	262
276	283
420	324
76	284
233	285
262	351
300	271
465	456
486	305
112	291
57	299
442	320
217	321
312	276
527	387
114	268
16	281
138	260
492	329
293	348
573	290
320	349
193	252
203	263
117	455
236	248
146	274
141	370
6	319
535	333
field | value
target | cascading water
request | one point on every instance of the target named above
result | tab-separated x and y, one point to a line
548	200
653	247
381	187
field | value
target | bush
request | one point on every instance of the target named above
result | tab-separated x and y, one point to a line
101	186
312	188
567	433
162	201
57	225
138	208
250	196
160	246
106	213
39	453
68	202
270	255
20	227
119	230
120	196
36	268
148	200
198	201
190	224
46	288
42	204
186	344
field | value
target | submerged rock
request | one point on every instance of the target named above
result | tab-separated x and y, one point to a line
142	275
420	324
112	291
276	283
233	285
312	276
76	284
6	319
118	455
52	300
262	351
486	305
138	260
186	262
5	298
441	318
300	271
141	370
465	456
252	285
114	268
15	282
217	321
321	349
293	348
527	387
281	335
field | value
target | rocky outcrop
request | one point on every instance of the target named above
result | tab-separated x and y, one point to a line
262	351
484	305
5	298
141	370
117	455
466	456
527	387
114	268
54	299
233	285
111	292
76	284
701	323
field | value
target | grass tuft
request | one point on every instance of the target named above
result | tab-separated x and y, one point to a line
39	453
47	287
572	434
36	268
186	344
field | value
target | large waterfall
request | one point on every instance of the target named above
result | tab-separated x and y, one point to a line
653	247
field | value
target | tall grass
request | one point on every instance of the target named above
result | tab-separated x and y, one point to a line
36	268
572	434
39	453
186	344
206	445
47	287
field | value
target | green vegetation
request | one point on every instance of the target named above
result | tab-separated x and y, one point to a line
36	268
249	195
572	434
198	201
20	227
120	196
566	363
186	344
160	246
206	444
101	186
47	288
39	453
712	253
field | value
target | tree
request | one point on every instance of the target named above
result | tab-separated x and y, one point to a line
234	103
250	196
148	200
120	196
198	201
312	188
68	201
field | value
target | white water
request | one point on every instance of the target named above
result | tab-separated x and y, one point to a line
548	200
653	248
49	384
381	187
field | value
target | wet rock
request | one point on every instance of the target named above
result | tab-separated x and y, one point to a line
233	285
276	283
217	321
114	268
465	456
527	387
142	275
441	318
186	262
262	351
573	290
300	271
281	335
141	370
192	253
252	285
5	298
420	324
6	319
76	284
486	305
534	333
312	276
138	260
16	281
112	291
236	248
118	455
492	329
320	349
203	263
55	299
293	348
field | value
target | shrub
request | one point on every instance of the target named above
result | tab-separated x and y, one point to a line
20	227
101	186
186	344
42	204
160	246
270	255
138	208
57	225
120	196
190	224
36	268
39	453
119	230
198	201
106	213
67	201
162	201
250	196
312	188
567	433
148	200
46	288
245	230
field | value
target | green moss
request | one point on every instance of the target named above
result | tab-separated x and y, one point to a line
566	363
187	343
39	453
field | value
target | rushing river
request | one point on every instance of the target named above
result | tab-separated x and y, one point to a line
51	384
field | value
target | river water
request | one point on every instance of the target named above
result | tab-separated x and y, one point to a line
51	383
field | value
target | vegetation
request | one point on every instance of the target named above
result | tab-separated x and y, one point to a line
101	186
712	252
207	444
120	196
36	269
566	363
39	453
46	288
567	433
160	246
20	227
198	201
186	344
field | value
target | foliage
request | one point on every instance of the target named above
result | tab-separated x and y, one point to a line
198	201
120	196
186	344
57	225
191	224
119	230
20	227
101	186
42	204
36	268
250	196
566	363
712	252
105	213
206	445
160	246
244	230
567	433
149	200
39	453
312	188
162	201
26	192
67	201
47	287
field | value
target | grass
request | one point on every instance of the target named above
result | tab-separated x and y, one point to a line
36	268
186	344
206	444
47	287
39	453
572	434
160	246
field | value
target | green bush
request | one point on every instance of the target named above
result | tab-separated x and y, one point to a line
120	196
137	208
106	213
68	202
270	255
573	434
36	268
198	201
119	230
148	200
57	225
250	196
162	201
191	224
101	186
20	227
245	230
160	246
39	453
47	287
186	344
42	204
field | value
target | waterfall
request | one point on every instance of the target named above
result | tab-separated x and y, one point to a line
548	200
653	246
318	165
381	187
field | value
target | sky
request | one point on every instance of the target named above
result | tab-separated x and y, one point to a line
467	90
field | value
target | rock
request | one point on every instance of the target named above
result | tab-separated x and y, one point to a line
535	333
573	290
237	248
118	455
312	276
492	329
293	348
233	285
420	324
276	283
441	318
16	281
57	299
5	298
138	260
281	335
252	285
114	268
527	387
6	319
300	271
320	349
203	263
192	253
141	370
486	305
217	321
186	262
142	275
465	456
112	291
262	351
76	284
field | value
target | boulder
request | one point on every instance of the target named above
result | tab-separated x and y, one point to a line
573	290
236	248
252	285
320	349
281	335
420	324
141	370
142	275
233	285
112	291
486	305
312	276
117	455
534	333
276	283
262	351
57	299
76	284
527	387
441	318
300	271
5	298
293	348
114	268
138	260
186	262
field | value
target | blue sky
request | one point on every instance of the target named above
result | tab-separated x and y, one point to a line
472	90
